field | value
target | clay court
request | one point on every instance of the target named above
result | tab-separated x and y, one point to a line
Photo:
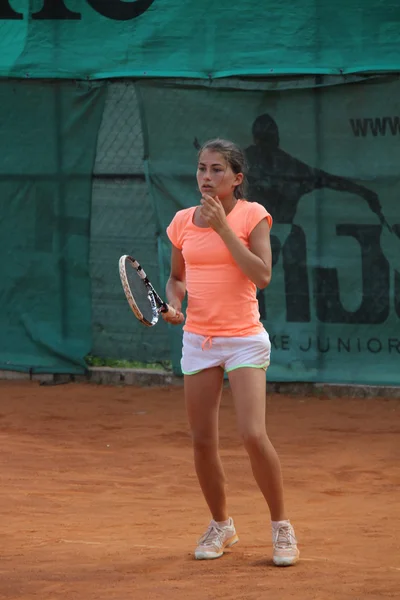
99	499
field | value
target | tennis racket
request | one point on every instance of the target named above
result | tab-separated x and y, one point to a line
143	299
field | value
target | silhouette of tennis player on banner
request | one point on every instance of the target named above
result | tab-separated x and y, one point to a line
277	180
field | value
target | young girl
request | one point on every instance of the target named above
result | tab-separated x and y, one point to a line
221	254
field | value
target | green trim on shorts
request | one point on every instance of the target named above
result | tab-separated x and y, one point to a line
192	372
249	366
264	366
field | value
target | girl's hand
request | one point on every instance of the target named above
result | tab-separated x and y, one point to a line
213	213
172	317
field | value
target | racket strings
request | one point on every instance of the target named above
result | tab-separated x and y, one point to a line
140	293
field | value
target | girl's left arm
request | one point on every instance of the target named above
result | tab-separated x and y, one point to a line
255	261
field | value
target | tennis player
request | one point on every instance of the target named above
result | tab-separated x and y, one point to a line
221	254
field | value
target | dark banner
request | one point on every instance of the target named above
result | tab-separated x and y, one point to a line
324	162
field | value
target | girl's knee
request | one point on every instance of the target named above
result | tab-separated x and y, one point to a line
204	444
254	441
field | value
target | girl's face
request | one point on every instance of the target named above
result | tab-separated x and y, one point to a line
215	176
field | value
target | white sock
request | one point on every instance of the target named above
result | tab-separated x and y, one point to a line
276	524
223	523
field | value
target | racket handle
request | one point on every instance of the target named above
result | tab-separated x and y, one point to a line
173	313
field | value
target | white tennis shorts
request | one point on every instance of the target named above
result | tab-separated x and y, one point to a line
201	352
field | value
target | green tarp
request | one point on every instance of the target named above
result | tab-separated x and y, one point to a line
325	164
47	149
202	39
323	158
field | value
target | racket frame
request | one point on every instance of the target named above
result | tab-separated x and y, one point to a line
157	304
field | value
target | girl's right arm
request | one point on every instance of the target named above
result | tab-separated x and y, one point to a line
176	284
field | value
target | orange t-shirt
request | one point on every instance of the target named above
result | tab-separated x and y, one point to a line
221	298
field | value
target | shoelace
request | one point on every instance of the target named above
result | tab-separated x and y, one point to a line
284	537
212	536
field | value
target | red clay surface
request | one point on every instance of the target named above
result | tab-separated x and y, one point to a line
99	499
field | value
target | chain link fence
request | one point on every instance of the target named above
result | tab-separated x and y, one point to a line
123	221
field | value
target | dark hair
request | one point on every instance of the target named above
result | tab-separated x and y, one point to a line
233	155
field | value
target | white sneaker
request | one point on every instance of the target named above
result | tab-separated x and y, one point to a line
213	543
284	541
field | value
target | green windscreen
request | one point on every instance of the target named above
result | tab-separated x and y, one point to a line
47	148
324	162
